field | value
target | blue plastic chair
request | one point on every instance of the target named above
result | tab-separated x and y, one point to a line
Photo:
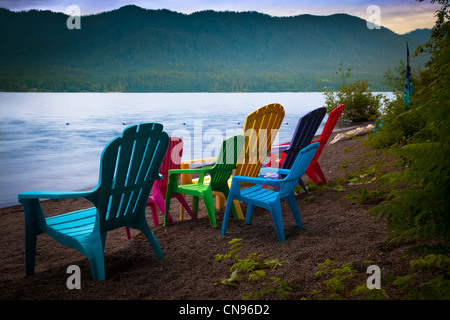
129	166
269	199
304	133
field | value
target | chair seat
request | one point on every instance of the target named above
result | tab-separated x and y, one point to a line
256	193
74	224
195	188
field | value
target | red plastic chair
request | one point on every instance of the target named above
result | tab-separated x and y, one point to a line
172	160
314	171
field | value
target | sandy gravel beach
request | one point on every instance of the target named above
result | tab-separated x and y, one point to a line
334	228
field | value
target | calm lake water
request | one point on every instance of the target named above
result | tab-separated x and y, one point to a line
53	141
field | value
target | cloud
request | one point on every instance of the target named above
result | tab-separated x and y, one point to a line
400	19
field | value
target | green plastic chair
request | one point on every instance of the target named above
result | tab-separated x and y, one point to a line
129	166
220	172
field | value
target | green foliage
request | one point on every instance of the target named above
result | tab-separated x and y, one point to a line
360	103
341	283
428	278
435	267
419	206
336	287
361	177
310	186
254	265
365	196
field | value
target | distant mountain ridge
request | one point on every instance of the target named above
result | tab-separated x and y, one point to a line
421	35
135	49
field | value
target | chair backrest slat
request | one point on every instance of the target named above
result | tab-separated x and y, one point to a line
333	118
298	168
129	166
260	129
172	160
304	133
226	160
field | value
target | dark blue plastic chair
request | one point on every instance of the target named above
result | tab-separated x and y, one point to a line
304	133
269	199
129	166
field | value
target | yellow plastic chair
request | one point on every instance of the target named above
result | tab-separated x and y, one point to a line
260	129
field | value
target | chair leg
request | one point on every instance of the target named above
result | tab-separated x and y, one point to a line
220	202
195	205
300	182
103	239
249	213
319	172
292	202
98	269
154	211
145	229
184	204
30	251
209	204
312	174
168	198
239	212
278	220
34	217
226	215
226	192
93	251
160	204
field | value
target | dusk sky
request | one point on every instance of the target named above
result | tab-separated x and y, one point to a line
398	15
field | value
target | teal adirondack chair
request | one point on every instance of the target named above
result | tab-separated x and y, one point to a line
269	199
220	172
129	166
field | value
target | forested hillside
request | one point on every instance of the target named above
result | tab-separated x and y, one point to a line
134	49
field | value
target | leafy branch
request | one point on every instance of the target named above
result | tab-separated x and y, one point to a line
254	265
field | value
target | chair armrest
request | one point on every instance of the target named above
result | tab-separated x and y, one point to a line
198	170
52	195
256	180
202	171
279	148
198	161
265	170
186	177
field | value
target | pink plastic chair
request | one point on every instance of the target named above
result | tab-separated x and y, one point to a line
172	160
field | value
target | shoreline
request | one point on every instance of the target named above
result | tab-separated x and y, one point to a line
341	126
